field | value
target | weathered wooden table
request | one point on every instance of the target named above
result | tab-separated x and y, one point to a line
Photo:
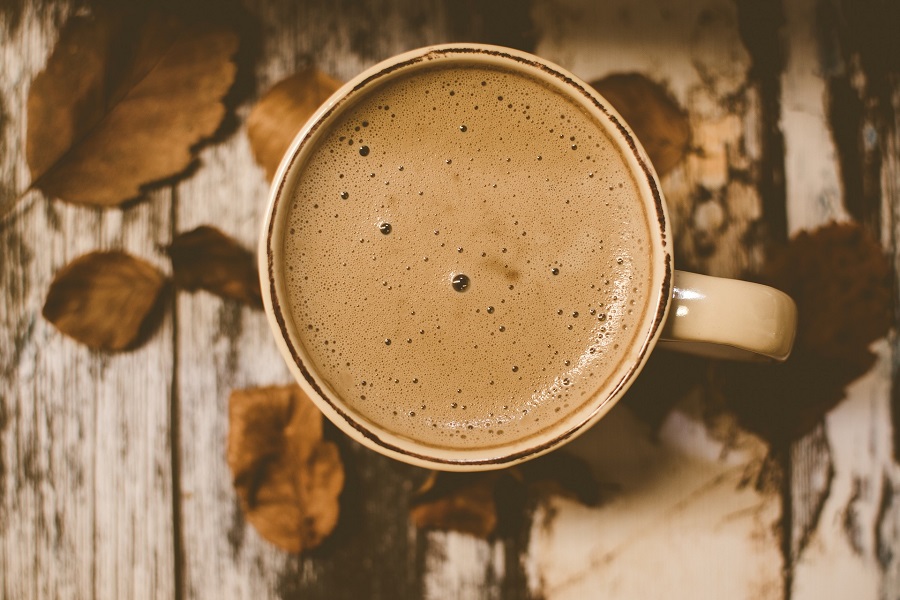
113	481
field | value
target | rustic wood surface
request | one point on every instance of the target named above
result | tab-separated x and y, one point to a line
113	480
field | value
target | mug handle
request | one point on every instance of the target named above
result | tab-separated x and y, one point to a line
727	318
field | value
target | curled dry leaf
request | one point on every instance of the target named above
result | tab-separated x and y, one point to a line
288	479
122	102
283	111
105	300
482	504
205	258
456	502
657	120
840	279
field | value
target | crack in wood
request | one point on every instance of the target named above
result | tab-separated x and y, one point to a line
236	529
852	526
761	24
515	580
23	333
230	326
883	550
810	457
17	259
8	193
4	424
175	442
51	214
862	36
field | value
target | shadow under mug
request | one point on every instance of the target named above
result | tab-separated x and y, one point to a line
694	313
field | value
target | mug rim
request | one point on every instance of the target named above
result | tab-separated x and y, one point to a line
662	269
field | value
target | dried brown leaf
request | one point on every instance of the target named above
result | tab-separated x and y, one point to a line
105	300
488	503
288	479
122	102
205	258
657	120
839	277
456	502
283	111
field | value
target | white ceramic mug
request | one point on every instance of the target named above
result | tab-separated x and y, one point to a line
694	313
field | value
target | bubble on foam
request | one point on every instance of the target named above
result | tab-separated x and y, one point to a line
454	191
460	282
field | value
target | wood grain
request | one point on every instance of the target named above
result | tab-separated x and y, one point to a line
87	491
844	474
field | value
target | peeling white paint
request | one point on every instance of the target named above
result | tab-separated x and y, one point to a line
840	560
812	171
457	565
681	523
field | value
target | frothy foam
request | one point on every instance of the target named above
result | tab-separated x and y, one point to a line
466	256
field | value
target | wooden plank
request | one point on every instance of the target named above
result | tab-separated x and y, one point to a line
811	167
813	199
841	557
888	532
675	506
222	346
844	476
678	501
459	566
85	483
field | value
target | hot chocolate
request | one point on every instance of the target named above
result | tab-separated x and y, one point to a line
466	256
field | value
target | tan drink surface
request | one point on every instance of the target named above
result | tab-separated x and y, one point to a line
466	257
